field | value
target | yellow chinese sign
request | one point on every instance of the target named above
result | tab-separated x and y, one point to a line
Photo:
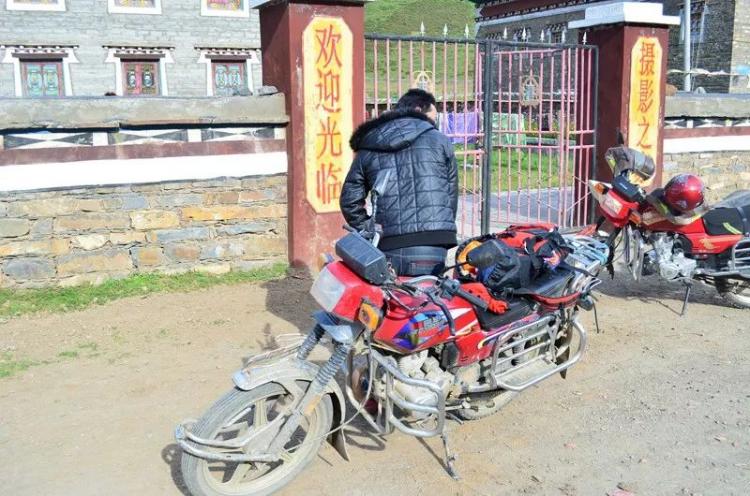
328	73
645	95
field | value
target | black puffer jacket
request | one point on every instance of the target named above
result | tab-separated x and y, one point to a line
419	205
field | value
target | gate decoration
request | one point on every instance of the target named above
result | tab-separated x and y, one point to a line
521	117
645	97
328	79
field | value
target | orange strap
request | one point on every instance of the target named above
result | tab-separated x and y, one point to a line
480	291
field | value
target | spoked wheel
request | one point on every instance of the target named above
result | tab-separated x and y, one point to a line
237	415
736	292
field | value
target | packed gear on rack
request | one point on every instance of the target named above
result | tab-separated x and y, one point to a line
509	262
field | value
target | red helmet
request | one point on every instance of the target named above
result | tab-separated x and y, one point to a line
684	192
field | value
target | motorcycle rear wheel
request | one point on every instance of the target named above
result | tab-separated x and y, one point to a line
237	407
737	293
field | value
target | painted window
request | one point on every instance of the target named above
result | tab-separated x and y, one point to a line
134	6
229	77
227	8
42	78
54	5
140	77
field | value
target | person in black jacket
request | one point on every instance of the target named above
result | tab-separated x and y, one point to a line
417	212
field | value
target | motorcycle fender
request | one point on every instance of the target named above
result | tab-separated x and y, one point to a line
289	370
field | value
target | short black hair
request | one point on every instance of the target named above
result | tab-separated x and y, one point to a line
416	99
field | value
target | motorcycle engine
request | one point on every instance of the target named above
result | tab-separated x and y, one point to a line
424	367
670	259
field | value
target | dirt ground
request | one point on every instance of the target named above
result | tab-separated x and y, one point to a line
660	405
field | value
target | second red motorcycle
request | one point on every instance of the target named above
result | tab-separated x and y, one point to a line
672	231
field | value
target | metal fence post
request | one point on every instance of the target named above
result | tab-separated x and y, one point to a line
487	94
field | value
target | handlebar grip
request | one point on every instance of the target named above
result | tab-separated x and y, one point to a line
474	300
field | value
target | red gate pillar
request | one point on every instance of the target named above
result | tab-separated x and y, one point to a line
633	40
313	51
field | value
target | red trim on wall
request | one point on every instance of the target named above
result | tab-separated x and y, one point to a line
699	132
76	154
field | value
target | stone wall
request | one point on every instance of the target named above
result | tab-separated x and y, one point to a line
89	25
714	53
722	172
88	235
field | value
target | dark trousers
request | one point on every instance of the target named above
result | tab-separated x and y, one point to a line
418	260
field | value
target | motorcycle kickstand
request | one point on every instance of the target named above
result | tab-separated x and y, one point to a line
450	458
685	301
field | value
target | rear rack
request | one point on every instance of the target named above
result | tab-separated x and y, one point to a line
741	256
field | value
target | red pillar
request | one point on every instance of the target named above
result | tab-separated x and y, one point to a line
309	55
633	40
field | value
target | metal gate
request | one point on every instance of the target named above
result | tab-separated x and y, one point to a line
521	117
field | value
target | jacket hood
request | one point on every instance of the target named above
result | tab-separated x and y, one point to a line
392	131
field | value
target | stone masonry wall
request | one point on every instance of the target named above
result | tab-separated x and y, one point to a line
714	53
723	172
88	235
88	24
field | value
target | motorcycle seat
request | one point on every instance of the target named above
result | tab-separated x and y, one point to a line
729	216
550	284
518	308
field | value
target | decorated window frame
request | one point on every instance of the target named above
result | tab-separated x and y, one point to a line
16	55
243	9
49	5
160	55
135	8
211	56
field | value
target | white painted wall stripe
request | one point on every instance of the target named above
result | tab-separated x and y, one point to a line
707	144
139	171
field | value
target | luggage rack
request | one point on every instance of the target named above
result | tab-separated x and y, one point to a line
741	257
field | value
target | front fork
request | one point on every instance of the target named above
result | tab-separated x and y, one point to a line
317	388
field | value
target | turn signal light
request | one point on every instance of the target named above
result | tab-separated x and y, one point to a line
324	260
370	316
635	218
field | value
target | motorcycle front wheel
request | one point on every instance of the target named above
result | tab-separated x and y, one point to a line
230	418
737	293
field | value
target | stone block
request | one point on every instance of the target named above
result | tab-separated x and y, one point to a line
51	247
149	256
183	252
256	195
22	269
90	242
222	250
94	279
214	269
177	200
102	261
221	197
41	227
264	246
92	205
228	183
3	209
13	228
245	228
127	238
45	207
154	219
231	212
134	202
173	235
92	222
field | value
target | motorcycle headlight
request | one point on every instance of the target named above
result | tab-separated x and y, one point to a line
327	290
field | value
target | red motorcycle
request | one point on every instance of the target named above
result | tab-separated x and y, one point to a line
672	231
414	353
